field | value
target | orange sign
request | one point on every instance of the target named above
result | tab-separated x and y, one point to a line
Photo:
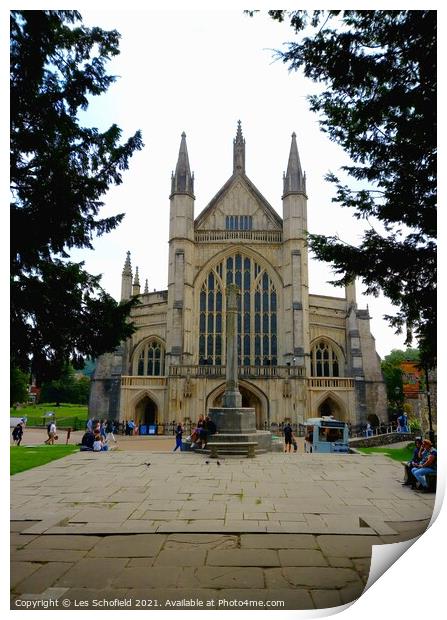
411	375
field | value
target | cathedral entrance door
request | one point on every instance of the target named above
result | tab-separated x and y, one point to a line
251	400
146	412
330	407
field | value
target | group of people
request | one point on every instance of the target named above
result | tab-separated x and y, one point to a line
422	463
199	437
97	435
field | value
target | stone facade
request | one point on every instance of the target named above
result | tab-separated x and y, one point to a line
300	354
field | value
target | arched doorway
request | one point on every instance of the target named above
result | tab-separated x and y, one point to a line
146	411
329	407
249	399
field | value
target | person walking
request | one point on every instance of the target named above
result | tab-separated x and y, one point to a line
109	428
131	427
288	437
51	434
402	422
178	437
102	429
17	434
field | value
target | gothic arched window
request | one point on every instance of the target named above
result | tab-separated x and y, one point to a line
325	362
257	313
151	359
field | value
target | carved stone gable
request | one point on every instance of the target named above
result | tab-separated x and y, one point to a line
239	199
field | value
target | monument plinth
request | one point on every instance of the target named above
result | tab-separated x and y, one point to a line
235	424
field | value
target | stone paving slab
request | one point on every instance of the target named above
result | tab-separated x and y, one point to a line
274	492
139	545
298	529
300	571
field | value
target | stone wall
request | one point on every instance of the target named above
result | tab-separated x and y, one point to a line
380	440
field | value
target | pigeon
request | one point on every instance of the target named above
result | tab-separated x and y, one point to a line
207	462
218	463
148	464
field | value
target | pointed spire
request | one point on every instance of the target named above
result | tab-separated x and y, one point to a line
239	151
136	281
182	182
126	279
127	269
146	287
294	179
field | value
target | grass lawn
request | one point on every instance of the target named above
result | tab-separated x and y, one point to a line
23	458
398	454
66	415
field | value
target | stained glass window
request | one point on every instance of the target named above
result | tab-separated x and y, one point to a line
257	309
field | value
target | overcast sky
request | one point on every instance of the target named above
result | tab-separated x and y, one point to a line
200	72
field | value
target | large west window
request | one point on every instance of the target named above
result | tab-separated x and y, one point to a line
257	313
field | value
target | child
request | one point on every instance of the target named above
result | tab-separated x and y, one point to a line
178	437
98	444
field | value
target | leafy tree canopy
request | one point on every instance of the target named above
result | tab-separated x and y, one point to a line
377	71
68	388
60	172
18	392
392	375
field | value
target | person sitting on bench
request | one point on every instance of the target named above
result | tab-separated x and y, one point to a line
426	466
208	429
195	436
415	460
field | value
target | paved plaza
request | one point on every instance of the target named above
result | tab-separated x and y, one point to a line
160	526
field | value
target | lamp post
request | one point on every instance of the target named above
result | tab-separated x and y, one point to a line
398	400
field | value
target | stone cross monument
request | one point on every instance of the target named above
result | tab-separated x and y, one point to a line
232	397
236	425
232	420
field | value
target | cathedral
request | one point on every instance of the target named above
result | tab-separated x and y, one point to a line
300	354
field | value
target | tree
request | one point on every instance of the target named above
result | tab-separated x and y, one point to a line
18	386
68	388
378	101
59	173
392	375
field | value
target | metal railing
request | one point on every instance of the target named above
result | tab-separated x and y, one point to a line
276	428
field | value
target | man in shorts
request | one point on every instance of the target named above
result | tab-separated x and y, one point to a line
288	437
51	434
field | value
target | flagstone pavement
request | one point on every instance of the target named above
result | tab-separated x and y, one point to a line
140	529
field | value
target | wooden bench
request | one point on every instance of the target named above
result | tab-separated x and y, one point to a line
216	446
